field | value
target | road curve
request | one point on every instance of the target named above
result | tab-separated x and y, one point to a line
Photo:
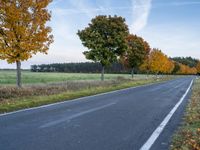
122	120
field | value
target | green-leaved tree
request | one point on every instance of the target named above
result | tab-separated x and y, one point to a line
137	52
105	37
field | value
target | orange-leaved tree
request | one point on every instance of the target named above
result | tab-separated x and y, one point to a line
184	69
23	30
168	67
157	61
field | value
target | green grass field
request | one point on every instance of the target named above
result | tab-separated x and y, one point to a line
9	77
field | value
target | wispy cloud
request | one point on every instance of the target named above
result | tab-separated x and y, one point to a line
141	10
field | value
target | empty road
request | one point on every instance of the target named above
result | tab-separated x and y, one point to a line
123	120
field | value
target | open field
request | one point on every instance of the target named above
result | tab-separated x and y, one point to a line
188	136
9	77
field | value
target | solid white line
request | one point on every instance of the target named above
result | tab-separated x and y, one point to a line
148	144
77	99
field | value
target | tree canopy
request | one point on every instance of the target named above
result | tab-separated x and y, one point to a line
159	62
22	29
138	50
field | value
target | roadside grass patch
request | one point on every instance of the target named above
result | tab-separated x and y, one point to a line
188	136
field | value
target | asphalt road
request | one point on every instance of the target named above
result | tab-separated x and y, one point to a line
121	120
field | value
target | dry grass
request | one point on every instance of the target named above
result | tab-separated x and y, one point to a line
11	92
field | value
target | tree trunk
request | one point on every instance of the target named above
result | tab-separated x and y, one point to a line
147	74
102	74
19	85
132	73
156	76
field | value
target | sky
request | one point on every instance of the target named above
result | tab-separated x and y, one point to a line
170	25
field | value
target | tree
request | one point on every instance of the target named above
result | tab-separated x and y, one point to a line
105	37
23	30
159	62
145	66
184	69
198	67
176	67
168	67
138	51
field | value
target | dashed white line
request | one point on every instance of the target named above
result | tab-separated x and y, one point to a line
55	122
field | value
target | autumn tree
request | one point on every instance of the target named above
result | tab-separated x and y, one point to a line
145	66
23	30
176	67
159	62
198	67
137	52
193	70
168	67
105	37
186	70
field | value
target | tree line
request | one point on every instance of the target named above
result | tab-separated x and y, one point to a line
108	40
84	67
117	67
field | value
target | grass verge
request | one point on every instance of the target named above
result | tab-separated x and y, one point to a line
188	136
16	100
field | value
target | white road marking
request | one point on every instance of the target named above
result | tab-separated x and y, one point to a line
148	144
53	123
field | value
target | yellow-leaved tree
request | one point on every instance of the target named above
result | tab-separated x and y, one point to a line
159	62
23	30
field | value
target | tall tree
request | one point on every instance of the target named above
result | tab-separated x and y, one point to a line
137	53
23	30
105	37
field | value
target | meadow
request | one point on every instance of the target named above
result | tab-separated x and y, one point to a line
9	77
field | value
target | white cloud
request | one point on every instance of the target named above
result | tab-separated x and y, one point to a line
141	11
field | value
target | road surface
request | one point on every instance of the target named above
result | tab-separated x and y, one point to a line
121	120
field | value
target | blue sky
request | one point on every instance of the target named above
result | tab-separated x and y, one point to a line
171	25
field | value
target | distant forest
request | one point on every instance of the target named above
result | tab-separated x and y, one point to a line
90	67
189	61
84	67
